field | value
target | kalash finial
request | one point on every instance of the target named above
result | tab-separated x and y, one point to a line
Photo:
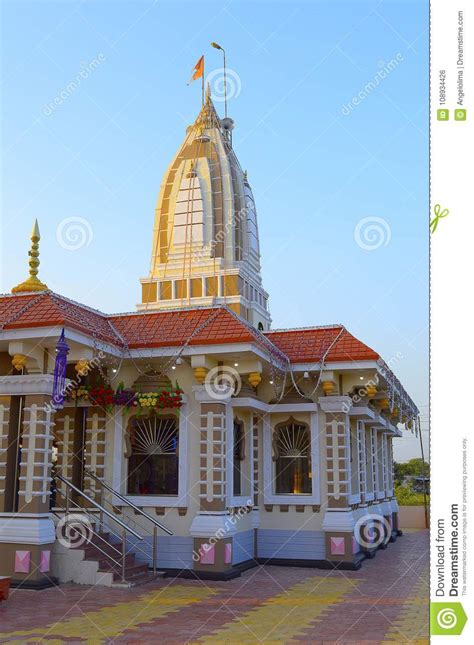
32	283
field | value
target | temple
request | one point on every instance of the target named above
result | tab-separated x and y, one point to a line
189	437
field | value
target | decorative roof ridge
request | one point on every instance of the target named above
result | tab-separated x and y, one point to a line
76	303
61	300
112	315
165	311
314	328
21	294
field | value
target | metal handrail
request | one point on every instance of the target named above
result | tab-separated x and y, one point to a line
119	553
127	502
99	507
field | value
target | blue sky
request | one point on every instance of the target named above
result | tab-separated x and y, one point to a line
100	153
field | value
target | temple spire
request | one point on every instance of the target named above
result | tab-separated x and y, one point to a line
33	283
205	248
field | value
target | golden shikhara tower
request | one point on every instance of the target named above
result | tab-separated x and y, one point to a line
205	238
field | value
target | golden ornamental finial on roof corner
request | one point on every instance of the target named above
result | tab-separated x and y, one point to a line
32	283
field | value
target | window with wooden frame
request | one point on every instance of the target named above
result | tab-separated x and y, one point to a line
153	456
292	458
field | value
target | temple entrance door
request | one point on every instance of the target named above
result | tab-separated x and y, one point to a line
78	454
80	445
68	453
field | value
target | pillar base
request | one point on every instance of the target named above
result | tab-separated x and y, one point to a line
213	545
36	585
194	574
26	544
344	565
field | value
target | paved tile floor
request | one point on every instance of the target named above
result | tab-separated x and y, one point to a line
386	601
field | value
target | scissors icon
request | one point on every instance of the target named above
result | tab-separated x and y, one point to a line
439	214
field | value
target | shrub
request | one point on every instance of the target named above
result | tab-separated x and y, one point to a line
406	497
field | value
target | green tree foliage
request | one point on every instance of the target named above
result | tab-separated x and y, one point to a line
413	468
406	497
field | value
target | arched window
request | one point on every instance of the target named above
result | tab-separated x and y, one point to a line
153	461
292	457
239	455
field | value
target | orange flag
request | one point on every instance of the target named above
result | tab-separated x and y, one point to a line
198	70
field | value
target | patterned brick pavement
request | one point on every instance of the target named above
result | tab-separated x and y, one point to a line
385	602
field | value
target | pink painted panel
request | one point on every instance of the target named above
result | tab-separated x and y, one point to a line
371	533
208	555
22	561
45	561
228	553
337	545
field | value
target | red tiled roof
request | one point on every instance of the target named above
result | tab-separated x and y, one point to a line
47	309
206	326
151	329
310	345
11	305
171	328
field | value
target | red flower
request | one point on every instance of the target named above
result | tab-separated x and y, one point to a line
101	395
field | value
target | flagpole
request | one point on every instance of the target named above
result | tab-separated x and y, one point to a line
202	82
198	72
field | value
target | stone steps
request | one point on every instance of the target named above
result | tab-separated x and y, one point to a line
99	562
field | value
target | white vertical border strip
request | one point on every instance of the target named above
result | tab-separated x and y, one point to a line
118	451
452	318
183	461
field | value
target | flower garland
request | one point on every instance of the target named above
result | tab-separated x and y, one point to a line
166	398
80	393
104	396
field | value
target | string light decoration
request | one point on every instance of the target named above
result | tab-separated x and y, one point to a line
322	362
398	398
110	349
